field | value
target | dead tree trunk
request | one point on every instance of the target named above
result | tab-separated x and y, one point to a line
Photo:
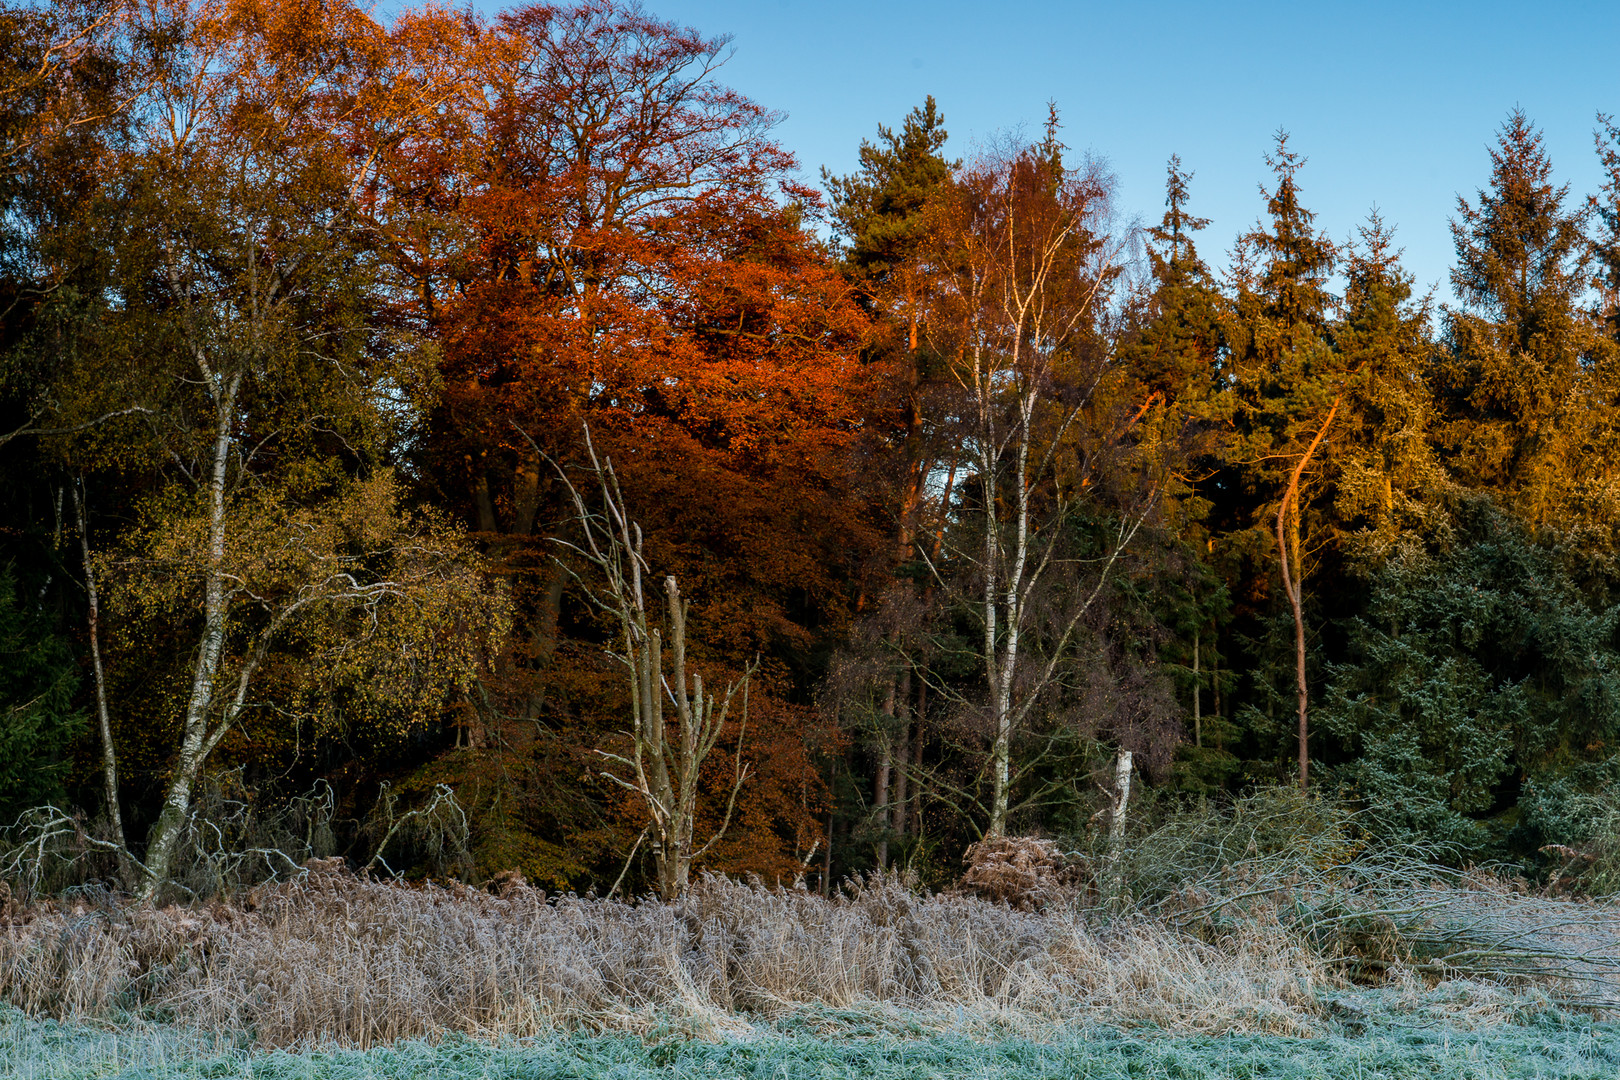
1114	879
665	759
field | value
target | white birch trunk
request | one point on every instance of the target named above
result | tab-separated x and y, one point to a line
195	741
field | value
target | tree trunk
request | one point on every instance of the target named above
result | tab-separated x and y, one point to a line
1115	883
1295	598
1198	715
109	755
880	786
526	493
1293	587
832	813
1001	755
194	744
902	779
482	503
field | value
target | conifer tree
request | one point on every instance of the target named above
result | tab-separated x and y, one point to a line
1606	208
1182	337
881	212
1176	360
1522	385
1387	469
1289	386
878	210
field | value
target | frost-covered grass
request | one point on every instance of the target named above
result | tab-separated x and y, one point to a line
1553	1045
334	958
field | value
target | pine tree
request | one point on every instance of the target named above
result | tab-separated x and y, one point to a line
881	213
878	210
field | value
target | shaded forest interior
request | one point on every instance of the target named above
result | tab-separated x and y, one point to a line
469	445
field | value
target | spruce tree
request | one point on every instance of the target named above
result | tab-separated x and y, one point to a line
1526	408
1605	208
1387	470
1174	358
1288	389
1177	350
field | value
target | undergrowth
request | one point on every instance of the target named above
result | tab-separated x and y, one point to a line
339	958
1271	916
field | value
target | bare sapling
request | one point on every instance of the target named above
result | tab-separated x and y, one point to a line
1293	588
675	721
109	755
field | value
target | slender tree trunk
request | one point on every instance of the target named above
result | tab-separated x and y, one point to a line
832	811
1000	754
880	787
1296	594
1293	586
109	755
1003	588
1001	721
195	743
902	778
1198	705
918	745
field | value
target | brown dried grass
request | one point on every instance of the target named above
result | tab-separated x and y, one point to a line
332	957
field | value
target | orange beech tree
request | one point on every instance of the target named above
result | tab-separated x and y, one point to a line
593	228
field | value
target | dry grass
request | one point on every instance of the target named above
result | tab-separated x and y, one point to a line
1260	918
1302	864
333	957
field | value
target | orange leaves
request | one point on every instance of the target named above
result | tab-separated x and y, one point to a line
610	247
594	228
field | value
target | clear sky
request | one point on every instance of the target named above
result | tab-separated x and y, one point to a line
1393	104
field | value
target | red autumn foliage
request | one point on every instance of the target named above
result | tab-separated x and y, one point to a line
595	230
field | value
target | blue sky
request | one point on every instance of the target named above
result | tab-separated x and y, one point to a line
1393	104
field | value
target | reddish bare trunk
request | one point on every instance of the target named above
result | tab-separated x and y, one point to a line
1293	587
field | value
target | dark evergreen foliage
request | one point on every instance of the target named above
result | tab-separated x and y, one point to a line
38	717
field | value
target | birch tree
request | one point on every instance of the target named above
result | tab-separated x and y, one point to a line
244	320
1026	259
